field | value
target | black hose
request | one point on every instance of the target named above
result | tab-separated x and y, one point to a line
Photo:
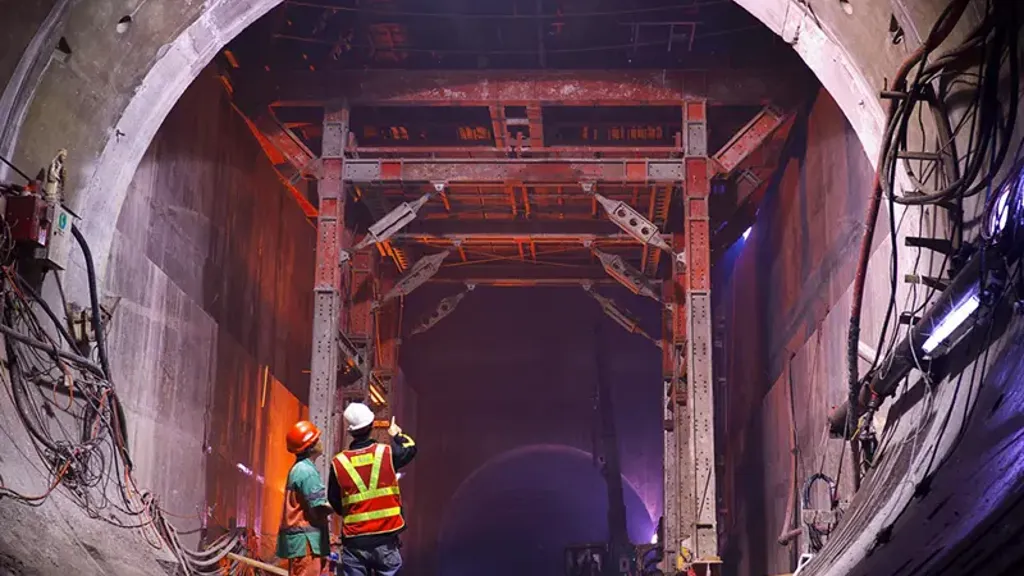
94	301
50	348
101	340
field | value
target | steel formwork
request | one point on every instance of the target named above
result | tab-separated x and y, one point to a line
530	221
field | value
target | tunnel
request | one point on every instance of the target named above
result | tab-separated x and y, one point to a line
697	287
543	501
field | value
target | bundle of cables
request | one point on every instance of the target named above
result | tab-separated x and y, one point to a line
817	533
76	424
974	72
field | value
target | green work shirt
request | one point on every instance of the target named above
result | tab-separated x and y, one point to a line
304	491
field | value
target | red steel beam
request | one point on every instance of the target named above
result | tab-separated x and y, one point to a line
748	139
523	170
518	273
518	238
361	151
718	86
449	227
328	285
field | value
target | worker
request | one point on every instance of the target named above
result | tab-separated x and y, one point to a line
304	537
363	488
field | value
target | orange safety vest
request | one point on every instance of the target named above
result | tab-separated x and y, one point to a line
371	502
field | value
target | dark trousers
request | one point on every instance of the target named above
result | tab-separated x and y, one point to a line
384	560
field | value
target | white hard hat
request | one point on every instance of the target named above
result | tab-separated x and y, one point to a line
358	416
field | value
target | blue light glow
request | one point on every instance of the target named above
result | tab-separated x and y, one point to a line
747	233
1000	215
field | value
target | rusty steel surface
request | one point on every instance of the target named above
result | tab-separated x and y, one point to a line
327	306
285	141
517	237
719	86
521	274
749	138
360	279
524	170
510	228
701	509
502	150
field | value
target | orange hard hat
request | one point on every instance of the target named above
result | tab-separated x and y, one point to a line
302	436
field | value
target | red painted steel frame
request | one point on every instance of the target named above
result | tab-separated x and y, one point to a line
748	139
327	304
513	170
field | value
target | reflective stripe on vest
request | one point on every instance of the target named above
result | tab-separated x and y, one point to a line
361	516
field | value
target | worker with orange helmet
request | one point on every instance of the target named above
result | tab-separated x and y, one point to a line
304	537
363	489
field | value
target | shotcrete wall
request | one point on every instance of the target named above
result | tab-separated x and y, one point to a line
210	283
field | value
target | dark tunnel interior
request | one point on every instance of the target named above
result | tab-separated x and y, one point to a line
508	417
519	512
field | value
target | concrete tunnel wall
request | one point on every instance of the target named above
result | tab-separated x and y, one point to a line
214	266
780	291
211	282
78	103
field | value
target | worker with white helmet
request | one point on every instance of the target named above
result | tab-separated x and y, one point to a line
363	489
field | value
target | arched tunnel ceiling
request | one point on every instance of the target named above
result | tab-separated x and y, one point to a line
841	49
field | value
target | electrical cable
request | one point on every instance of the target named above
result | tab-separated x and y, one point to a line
15	168
993	36
89	465
61	328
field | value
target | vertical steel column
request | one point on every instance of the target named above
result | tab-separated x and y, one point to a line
327	285
678	471
700	399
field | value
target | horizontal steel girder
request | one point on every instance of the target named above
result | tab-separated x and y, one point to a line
522	274
720	86
533	171
455	227
518	238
